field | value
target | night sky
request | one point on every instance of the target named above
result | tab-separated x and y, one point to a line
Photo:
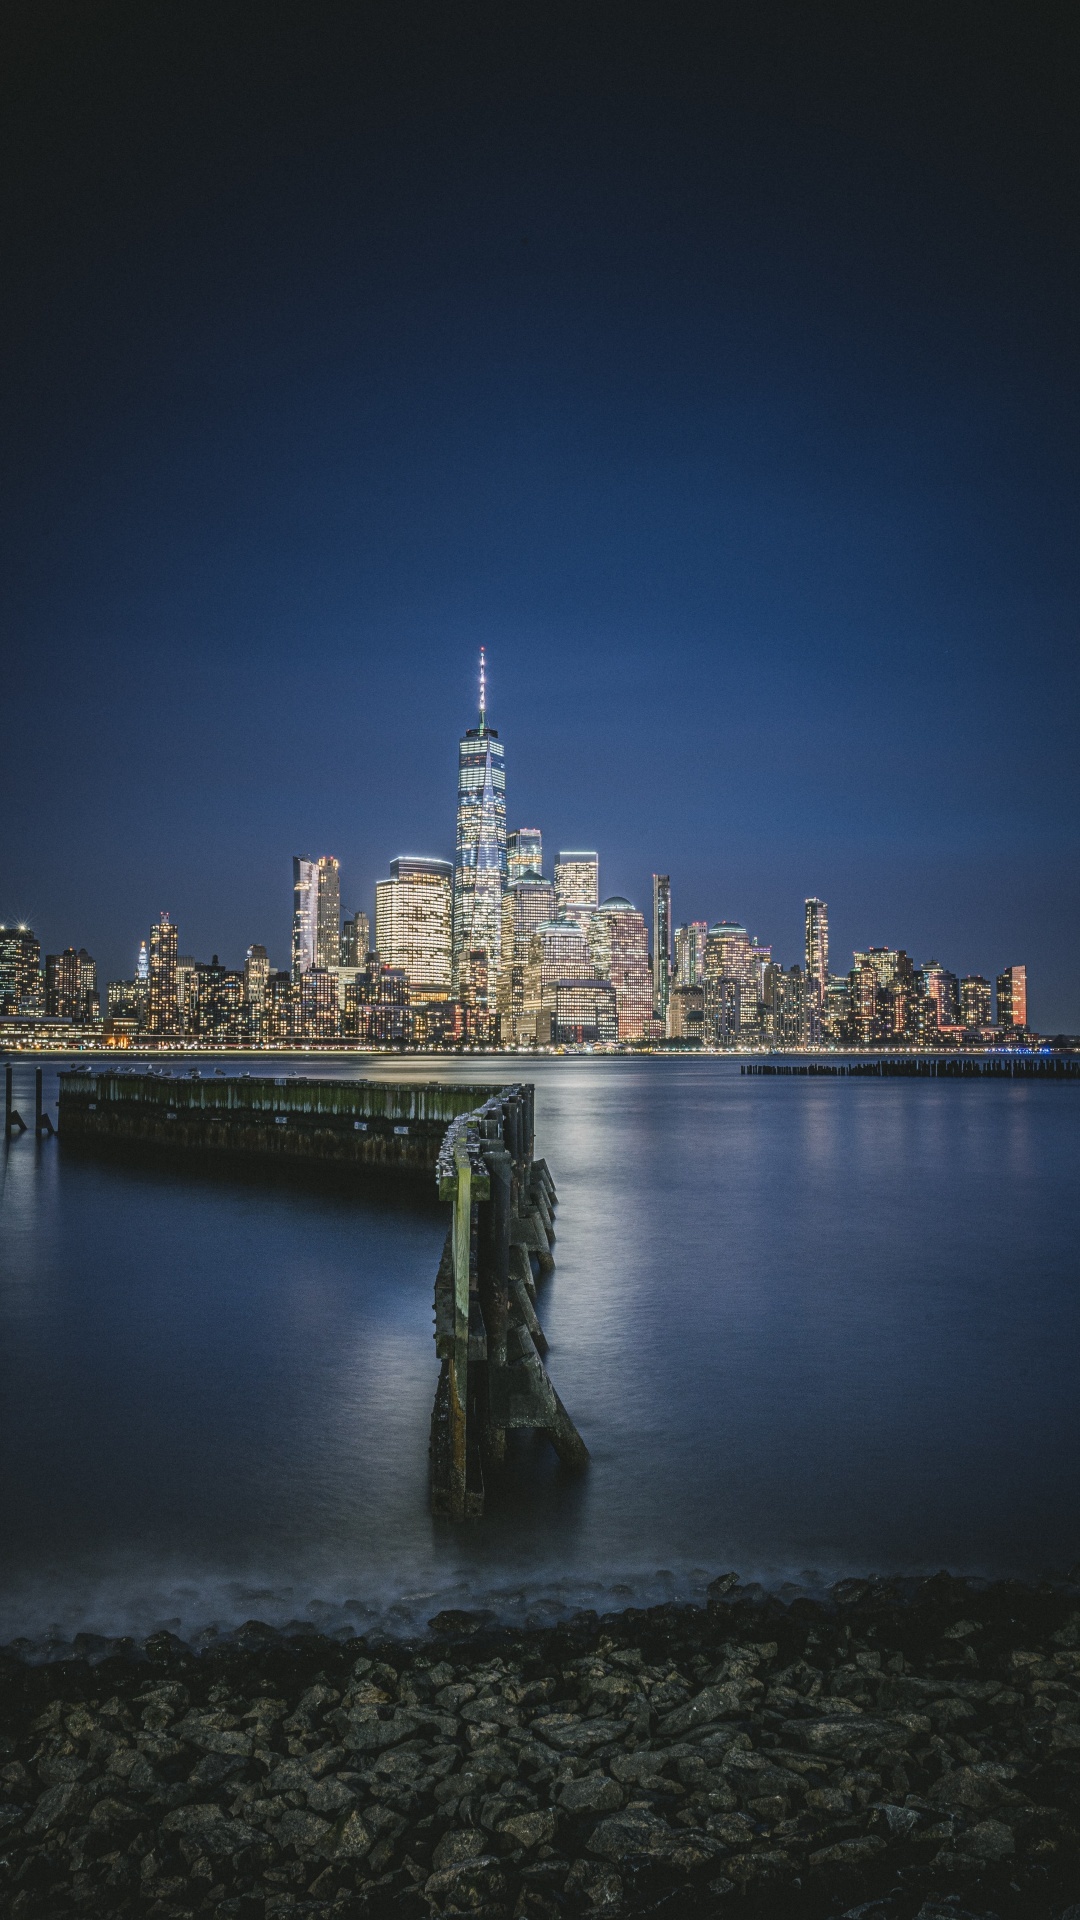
716	369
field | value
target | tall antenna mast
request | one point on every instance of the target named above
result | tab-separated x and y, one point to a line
483	693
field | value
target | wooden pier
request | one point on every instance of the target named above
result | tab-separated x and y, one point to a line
487	1334
391	1130
475	1143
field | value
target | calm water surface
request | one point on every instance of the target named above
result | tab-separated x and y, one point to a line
807	1327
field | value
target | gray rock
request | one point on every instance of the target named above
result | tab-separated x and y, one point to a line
593	1794
53	1807
848	1852
352	1839
305	1831
569	1733
988	1840
600	1886
208	1825
462	1843
633	1832
329	1796
529	1830
712	1703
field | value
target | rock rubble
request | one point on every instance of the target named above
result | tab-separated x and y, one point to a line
883	1755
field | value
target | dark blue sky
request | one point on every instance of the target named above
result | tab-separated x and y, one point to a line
716	370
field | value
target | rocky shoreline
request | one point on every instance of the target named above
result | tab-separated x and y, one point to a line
883	1754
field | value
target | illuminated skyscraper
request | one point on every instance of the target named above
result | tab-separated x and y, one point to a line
817	953
62	985
577	881
164	1010
328	913
690	954
524	853
20	971
661	943
355	940
305	915
528	903
730	981
480	866
621	951
942	992
256	991
976	1009
1012	998
413	916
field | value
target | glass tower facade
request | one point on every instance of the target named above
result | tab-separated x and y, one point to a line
480	865
524	852
412	924
661	937
328	914
305	915
577	880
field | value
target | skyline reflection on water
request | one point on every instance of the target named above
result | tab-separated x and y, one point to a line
807	1327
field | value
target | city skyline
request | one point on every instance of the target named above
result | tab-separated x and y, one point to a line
741	435
488	950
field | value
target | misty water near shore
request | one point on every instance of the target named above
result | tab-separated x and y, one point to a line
807	1328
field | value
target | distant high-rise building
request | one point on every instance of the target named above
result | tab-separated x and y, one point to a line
730	982
690	954
281	1008
163	1015
942	992
817	948
21	987
187	991
142	965
895	996
256	992
414	923
557	950
577	881
836	1017
328	914
584	1013
89	999
785	1006
1012	998
524	853
71	989
305	915
355	940
480	865
816	979
318	1004
661	945
686	1013
621	953
62	985
976	1003
528	903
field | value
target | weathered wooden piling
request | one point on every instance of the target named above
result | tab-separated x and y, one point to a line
42	1122
13	1120
487	1333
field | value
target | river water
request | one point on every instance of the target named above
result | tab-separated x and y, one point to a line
807	1328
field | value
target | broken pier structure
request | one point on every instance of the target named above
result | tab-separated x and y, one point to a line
486	1331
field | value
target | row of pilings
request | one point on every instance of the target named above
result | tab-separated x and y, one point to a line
916	1067
487	1333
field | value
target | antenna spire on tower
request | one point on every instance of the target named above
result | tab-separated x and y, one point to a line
483	693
